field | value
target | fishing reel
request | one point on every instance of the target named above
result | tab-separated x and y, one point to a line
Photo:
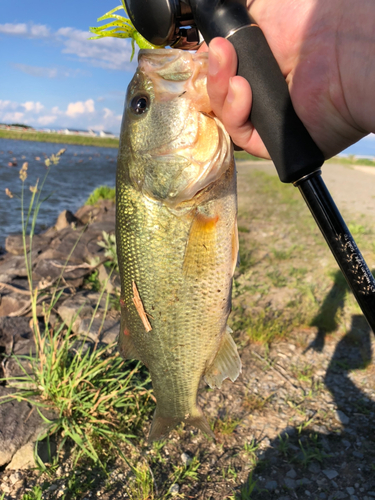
178	23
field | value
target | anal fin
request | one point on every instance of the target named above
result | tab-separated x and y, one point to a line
227	363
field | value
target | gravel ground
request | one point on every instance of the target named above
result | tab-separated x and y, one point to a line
297	424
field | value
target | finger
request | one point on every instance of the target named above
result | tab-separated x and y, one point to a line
222	64
203	47
235	117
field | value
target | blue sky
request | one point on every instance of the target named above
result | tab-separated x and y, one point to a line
53	76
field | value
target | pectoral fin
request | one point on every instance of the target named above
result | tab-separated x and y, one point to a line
227	363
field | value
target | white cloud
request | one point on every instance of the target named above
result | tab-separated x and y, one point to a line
25	30
8	105
57	72
108	53
33	106
17	116
80	114
46	120
79	108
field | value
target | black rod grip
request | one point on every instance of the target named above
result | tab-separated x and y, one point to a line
341	243
290	146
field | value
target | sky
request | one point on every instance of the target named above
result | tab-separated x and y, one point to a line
54	77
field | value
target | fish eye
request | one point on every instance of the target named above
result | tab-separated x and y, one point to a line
139	104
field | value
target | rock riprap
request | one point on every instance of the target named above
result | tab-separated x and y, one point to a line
62	258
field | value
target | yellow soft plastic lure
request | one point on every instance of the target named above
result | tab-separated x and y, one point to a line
122	27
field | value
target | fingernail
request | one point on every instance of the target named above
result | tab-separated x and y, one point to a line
214	62
231	92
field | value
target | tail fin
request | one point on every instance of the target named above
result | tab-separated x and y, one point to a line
162	426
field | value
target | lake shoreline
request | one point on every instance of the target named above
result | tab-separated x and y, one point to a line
78	140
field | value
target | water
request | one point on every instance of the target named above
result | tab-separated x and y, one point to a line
81	169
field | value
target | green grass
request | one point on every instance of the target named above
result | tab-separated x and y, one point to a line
243	156
352	160
101	193
35	494
60	138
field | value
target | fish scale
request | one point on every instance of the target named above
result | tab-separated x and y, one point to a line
178	253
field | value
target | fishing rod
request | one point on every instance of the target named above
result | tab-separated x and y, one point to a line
177	23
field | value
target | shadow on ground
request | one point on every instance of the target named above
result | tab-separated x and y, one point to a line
312	461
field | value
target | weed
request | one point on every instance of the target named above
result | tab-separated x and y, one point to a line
247	489
284	444
262	328
297	272
304	373
225	426
284	254
101	193
92	281
250	449
246	255
141	484
229	474
35	494
311	451
253	402
277	279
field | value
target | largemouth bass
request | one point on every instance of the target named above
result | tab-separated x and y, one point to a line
176	235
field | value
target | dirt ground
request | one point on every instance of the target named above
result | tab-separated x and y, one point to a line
299	421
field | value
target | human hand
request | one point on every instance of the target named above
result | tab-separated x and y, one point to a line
322	49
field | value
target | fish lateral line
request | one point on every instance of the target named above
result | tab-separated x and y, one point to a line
137	301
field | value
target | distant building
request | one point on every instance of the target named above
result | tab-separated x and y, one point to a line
72	131
108	135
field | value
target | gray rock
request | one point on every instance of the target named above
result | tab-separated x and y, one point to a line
106	332
12	302
52	269
303	482
314	467
350	490
12	266
271	485
66	219
358	454
73	309
186	458
290	483
14	243
112	282
341	417
330	473
291	473
338	495
21	425
174	489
